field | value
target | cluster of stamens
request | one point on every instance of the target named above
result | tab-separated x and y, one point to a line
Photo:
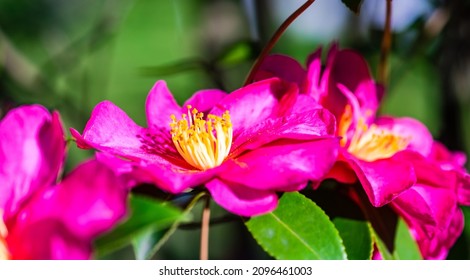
203	143
370	143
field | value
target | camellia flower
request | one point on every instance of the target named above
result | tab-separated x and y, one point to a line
244	147
430	206
40	218
368	144
393	158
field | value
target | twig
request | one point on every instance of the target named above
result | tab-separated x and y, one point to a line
175	225
206	214
272	42
213	222
382	75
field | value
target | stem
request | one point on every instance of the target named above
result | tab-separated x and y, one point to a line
206	214
386	45
272	42
214	221
175	225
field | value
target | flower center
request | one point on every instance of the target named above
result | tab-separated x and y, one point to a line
4	254
369	143
204	144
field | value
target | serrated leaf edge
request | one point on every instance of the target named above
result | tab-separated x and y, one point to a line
342	247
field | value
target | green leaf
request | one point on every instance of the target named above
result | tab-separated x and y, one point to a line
356	237
297	229
353	5
145	242
383	250
405	246
145	215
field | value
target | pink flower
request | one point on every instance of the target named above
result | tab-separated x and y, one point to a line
369	145
395	159
252	144
42	219
431	206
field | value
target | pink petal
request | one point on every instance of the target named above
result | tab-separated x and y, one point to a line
364	102
428	208
281	66
32	150
91	198
429	172
174	179
357	113
46	240
350	69
334	100
283	165
111	130
331	55
306	125
383	180
420	138
159	106
304	104
125	169
463	190
448	160
342	172
454	162
241	200
316	55
431	209
315	84
369	95
65	218
257	102
438	247
204	100
89	201
79	140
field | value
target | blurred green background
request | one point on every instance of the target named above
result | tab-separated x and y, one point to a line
70	55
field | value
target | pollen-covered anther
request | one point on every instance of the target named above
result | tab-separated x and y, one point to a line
366	142
375	143
203	143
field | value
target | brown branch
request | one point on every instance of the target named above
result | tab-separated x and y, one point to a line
382	75
272	42
206	214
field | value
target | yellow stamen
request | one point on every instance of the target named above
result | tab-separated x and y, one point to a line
344	124
369	143
4	254
204	144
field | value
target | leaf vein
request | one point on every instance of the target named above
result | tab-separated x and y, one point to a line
296	235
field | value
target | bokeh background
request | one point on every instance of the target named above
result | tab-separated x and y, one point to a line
70	55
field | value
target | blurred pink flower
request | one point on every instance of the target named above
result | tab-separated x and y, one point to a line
395	159
40	218
252	144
